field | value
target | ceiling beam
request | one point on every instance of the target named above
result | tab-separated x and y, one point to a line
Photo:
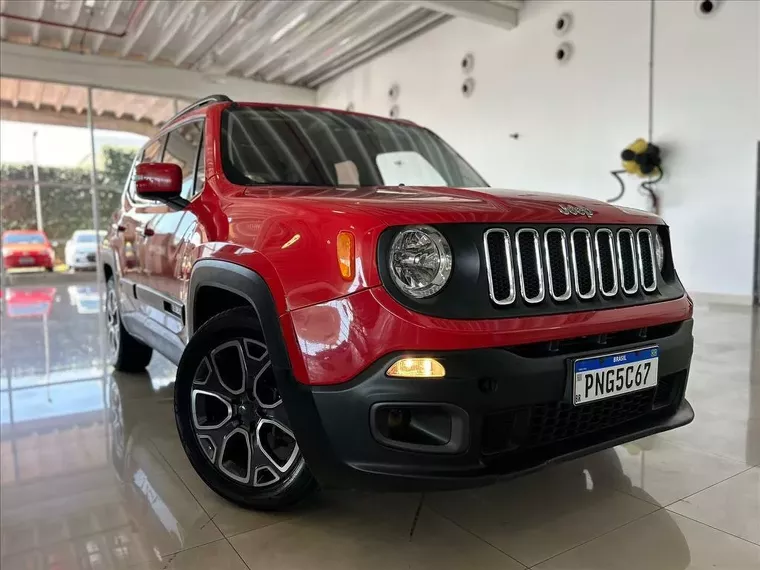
58	66
329	40
221	11
177	19
314	25
112	10
76	12
130	40
262	38
355	41
430	20
37	27
501	15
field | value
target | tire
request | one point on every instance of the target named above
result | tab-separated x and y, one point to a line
49	269
231	419
125	352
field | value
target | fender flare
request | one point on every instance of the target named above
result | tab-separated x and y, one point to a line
249	285
304	417
109	258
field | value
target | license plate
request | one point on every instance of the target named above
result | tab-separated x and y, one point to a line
26	261
614	374
91	257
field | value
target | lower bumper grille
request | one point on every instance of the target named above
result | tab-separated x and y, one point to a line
543	424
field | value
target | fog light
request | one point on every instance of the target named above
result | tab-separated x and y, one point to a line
417	368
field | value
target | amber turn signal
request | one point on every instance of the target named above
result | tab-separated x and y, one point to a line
417	368
346	255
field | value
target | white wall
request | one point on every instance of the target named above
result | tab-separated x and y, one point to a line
574	119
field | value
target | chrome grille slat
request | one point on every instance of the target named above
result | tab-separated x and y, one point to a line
579	266
629	275
524	269
606	265
577	256
500	299
647	271
550	257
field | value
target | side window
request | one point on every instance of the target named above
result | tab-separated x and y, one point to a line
152	152
182	149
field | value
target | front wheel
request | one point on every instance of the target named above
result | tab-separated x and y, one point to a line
231	418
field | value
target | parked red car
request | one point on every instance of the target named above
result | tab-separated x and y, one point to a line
27	248
349	303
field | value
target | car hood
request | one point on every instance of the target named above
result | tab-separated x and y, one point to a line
396	205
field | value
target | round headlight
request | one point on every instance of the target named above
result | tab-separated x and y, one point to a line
420	261
659	251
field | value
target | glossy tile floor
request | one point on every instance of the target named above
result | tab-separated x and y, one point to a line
93	476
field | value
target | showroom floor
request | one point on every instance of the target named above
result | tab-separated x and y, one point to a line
93	476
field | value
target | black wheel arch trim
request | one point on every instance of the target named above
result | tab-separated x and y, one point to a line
304	418
250	286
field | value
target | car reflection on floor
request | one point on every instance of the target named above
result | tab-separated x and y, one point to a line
23	302
85	298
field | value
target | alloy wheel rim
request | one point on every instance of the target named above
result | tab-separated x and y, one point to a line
112	322
237	415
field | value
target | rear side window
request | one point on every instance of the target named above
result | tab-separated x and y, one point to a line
182	148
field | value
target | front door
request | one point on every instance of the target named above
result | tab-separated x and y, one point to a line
164	254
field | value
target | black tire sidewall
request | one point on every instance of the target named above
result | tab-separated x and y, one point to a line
133	355
232	324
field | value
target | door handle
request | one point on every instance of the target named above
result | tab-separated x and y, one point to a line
147	232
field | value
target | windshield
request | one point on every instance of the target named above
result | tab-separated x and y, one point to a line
23	239
87	238
327	148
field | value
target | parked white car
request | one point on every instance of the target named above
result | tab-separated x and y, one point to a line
80	251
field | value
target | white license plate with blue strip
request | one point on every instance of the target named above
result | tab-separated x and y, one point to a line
614	374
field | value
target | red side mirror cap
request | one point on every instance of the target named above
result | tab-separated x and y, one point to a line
158	181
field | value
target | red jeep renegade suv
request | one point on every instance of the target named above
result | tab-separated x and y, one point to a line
349	303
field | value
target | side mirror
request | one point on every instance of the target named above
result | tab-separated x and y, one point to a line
160	181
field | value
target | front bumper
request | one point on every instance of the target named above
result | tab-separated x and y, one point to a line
78	260
515	407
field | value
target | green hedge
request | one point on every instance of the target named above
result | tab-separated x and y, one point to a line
64	194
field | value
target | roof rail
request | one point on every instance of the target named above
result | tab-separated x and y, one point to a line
200	103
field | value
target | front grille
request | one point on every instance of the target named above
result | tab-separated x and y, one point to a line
645	249
547	423
529	266
557	266
569	264
627	253
501	274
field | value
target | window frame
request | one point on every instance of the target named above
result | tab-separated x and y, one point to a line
201	119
